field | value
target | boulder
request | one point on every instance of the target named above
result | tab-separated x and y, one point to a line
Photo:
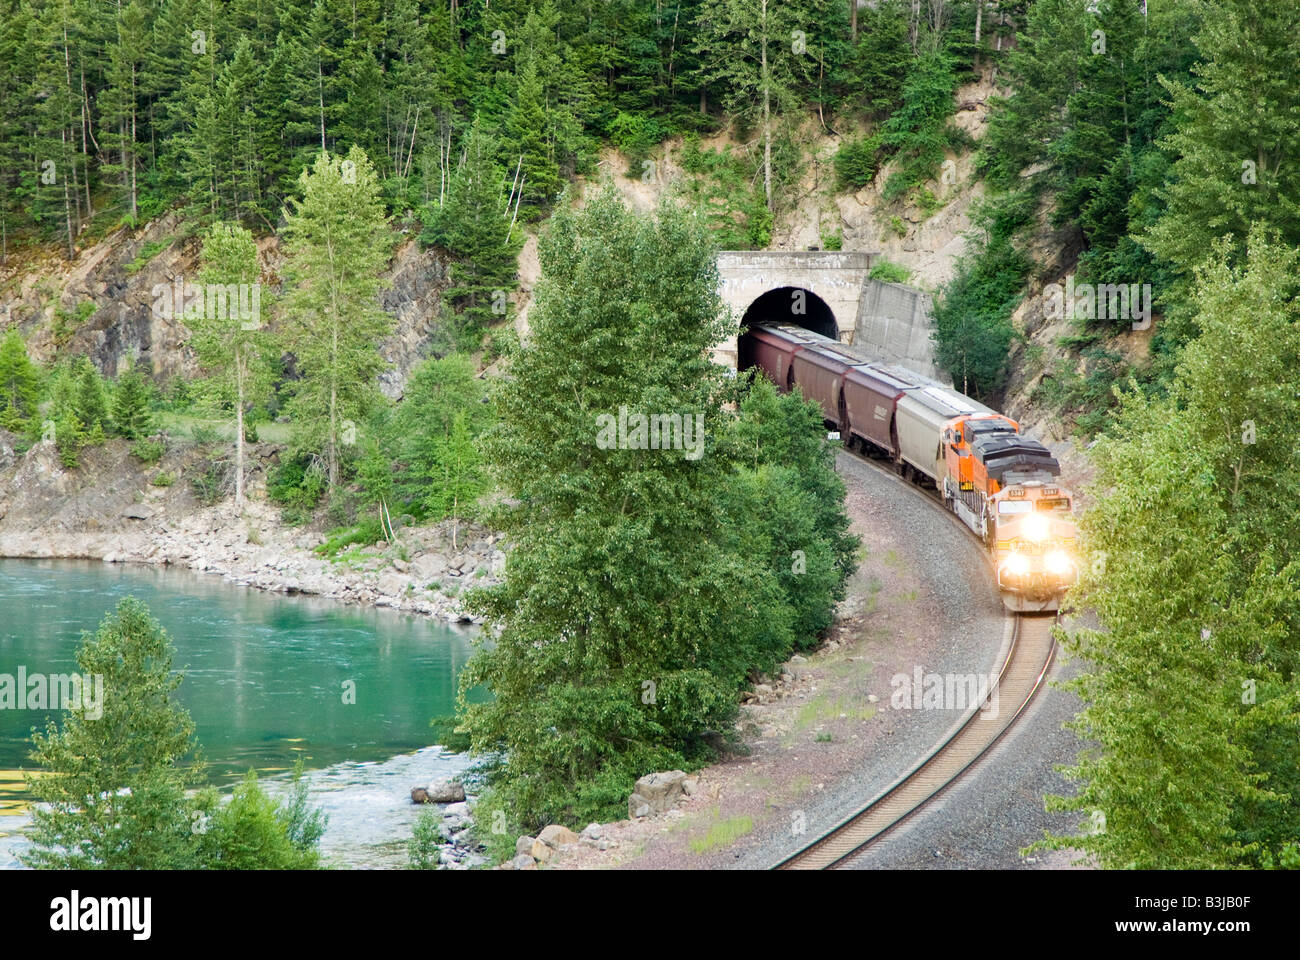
428	566
445	791
541	852
392	584
556	836
524	845
524	862
656	792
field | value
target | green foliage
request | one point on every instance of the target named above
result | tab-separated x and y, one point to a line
424	456
856	162
252	831
628	555
20	383
212	481
233	345
90	397
1232	166
973	316
473	224
919	133
113	780
1190	686
422	850
338	243
148	451
296	483
147	253
887	271
132	405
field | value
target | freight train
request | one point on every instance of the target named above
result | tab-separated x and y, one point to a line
999	483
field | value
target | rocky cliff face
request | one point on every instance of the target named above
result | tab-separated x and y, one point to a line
102	303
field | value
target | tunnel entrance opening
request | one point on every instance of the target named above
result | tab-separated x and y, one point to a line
794	305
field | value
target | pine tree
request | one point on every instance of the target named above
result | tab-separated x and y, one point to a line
474	224
338	243
114	775
526	127
90	402
619	572
132	417
20	383
1238	129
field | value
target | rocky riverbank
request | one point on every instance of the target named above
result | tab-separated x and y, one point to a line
113	508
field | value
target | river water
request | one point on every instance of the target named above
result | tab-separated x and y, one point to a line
268	680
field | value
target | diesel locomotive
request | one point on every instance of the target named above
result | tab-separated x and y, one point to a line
1002	485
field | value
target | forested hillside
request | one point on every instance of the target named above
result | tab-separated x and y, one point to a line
1130	279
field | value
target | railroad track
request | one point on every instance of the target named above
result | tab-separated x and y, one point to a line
1021	677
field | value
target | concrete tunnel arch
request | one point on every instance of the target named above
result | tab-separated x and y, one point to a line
794	305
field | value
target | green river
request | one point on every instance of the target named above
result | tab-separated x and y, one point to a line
266	680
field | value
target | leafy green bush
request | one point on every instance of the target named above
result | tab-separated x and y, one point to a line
856	162
422	850
252	831
148	450
636	134
204	434
887	271
164	479
365	532
297	482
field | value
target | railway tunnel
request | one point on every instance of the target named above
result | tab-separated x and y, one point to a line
794	305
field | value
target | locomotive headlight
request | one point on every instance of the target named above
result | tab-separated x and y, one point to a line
1037	527
1058	563
1017	565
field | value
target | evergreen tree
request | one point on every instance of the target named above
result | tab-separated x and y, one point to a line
338	243
474	225
620	574
132	417
90	401
20	383
112	788
1237	130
